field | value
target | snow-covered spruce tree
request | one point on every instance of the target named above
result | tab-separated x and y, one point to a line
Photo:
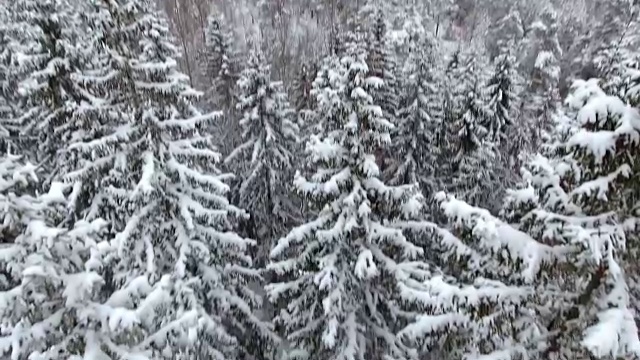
49	304
501	98
42	274
611	21
472	112
451	97
221	67
303	100
416	141
507	33
9	77
558	268
542	104
481	305
468	157
632	80
49	54
382	64
615	65
15	177
221	71
502	112
346	273
618	65
263	161
328	77
174	274
474	178
582	202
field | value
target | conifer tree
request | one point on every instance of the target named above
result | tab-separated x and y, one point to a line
508	33
48	311
474	163
544	90
501	97
221	72
617	64
557	259
174	273
632	90
221	68
15	178
264	158
9	77
346	273
479	304
578	199
304	103
612	20
49	55
416	141
328	77
469	155
382	64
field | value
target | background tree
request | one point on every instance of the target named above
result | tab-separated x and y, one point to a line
416	142
264	159
221	67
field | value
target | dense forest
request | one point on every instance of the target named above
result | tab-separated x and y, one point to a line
319	179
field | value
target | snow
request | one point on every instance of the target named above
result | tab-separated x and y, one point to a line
544	58
496	235
602	185
56	193
604	142
582	91
365	266
324	150
38	229
600	144
598	108
610	336
426	325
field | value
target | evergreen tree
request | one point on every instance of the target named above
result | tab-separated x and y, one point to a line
451	92
541	107
474	176
479	304
347	272
15	178
578	202
264	158
508	137
174	274
49	55
507	33
632	79
48	311
557	262
470	130
382	64
304	103
501	96
416	141
9	77
221	72
328	77
617	64
468	155
611	21
220	63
